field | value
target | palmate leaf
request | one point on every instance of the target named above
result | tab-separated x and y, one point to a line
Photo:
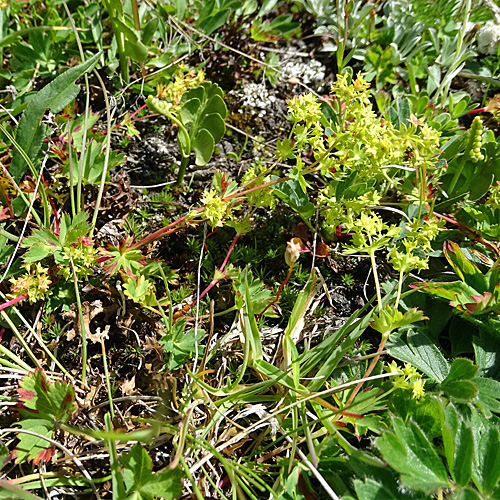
44	404
43	242
421	352
390	319
34	448
142	484
123	259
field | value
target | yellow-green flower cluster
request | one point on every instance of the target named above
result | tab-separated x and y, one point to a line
408	379
419	236
261	197
370	233
84	258
347	210
493	200
35	283
183	81
304	108
424	231
216	209
366	143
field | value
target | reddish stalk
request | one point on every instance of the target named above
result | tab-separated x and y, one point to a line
278	294
13	301
216	279
165	230
368	372
478	110
475	236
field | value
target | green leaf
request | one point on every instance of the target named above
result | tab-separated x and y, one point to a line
465	270
216	105
458	384
458	443
34	448
214	22
47	399
421	352
285	149
486	470
390	319
461	369
43	404
37	252
123	259
257	293
179	346
134	48
139	478
409	452
292	194
467	494
189	111
54	96
488	397
140	291
12	492
400	112
371	490
203	145
214	124
460	391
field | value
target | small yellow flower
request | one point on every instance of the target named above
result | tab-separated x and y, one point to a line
410	372
418	388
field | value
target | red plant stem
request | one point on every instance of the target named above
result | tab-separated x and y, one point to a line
278	294
165	230
368	372
474	235
478	110
172	226
216	280
229	252
56	217
13	301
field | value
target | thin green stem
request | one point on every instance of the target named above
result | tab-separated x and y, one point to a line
196	490
87	109
32	169
371	253
82	323
17	362
117	480
71	182
400	288
34	333
8	235
182	170
106	154
108	380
